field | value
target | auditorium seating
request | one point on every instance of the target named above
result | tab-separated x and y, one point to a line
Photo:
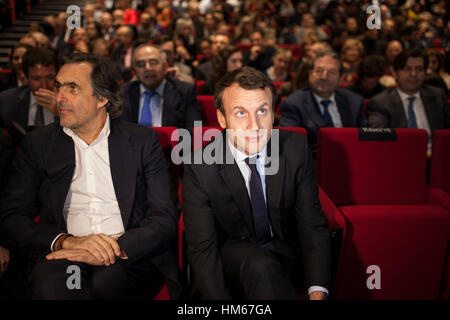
209	113
439	187
199	86
379	186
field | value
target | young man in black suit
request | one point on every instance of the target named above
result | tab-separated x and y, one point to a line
252	216
411	104
34	104
103	193
156	100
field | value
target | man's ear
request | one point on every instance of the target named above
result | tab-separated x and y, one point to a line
101	102
221	119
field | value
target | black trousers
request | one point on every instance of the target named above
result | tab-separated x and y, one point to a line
256	273
55	280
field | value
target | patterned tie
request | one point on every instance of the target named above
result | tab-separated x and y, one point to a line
412	122
326	114
39	118
260	213
146	113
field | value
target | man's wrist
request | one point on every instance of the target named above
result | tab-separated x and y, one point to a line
60	241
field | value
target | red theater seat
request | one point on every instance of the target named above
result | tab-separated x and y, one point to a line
199	86
379	186
209	113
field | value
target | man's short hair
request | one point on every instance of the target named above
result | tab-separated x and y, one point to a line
327	53
247	78
104	80
402	58
35	56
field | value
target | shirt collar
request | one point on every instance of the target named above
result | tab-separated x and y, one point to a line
404	96
104	133
159	90
240	156
318	98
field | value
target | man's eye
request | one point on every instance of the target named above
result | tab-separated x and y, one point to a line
262	111
73	87
240	114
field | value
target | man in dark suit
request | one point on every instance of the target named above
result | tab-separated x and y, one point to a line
323	104
154	100
411	104
219	41
103	193
252	217
34	104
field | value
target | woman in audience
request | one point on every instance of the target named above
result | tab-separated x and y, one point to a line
436	65
352	52
17	77
228	59
279	71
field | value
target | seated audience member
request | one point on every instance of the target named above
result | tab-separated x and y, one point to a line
175	69
370	70
310	51
228	59
80	40
154	100
34	104
410	104
146	29
107	26
29	40
122	53
308	26
260	55
279	71
94	31
436	65
351	54
17	77
219	41
101	47
238	240
103	193
393	49
300	81
323	104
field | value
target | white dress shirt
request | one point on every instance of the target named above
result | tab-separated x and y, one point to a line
419	111
91	205
156	103
332	109
48	116
240	157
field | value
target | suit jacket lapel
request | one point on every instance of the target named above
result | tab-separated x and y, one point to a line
135	94
60	167
313	110
343	108
123	164
428	101
398	111
24	107
274	186
236	184
170	103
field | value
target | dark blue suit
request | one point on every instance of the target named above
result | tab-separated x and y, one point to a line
180	106
300	109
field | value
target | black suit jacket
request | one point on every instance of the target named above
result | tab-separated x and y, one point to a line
300	109
7	152
217	209
40	180
386	110
180	106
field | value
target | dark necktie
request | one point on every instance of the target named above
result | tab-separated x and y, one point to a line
412	122
326	114
260	212
146	113
39	118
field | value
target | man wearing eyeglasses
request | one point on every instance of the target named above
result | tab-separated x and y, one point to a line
411	104
323	103
154	100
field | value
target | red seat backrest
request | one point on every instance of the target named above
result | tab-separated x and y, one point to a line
209	113
199	85
354	172
440	160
